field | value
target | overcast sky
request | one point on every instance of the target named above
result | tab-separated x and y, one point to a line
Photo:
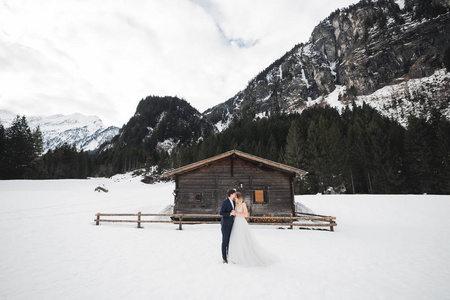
101	57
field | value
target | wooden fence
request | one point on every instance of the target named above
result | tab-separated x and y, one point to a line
298	220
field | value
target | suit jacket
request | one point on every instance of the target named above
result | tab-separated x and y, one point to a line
225	211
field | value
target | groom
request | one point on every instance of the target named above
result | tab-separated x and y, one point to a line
227	212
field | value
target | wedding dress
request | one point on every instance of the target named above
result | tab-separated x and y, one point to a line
243	248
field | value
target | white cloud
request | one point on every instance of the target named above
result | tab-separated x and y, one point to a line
101	57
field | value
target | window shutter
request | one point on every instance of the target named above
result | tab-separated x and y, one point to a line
259	196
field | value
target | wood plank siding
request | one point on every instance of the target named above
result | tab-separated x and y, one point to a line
201	188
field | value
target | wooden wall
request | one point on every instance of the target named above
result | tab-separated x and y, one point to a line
203	190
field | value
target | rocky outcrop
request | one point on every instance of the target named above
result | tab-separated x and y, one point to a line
365	47
400	51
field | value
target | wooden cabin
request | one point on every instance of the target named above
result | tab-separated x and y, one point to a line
267	186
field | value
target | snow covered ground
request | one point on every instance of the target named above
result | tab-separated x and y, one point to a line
384	247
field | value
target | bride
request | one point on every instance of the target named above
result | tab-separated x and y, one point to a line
244	248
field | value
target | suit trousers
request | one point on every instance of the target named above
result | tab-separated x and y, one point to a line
226	231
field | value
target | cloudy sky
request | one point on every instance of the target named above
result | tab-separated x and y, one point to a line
101	57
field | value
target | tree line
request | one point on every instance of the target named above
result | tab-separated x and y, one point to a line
354	151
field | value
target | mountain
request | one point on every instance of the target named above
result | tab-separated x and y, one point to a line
377	52
388	56
161	123
85	132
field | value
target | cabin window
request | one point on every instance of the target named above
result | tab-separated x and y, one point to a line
198	197
260	196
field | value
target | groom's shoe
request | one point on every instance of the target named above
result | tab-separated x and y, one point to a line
225	261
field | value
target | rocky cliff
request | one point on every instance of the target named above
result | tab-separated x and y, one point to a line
363	48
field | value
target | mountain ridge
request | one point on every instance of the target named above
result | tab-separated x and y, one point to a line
85	132
374	51
364	48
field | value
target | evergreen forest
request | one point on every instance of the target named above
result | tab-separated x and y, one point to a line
21	156
353	151
356	151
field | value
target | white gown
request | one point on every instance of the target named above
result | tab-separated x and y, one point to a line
243	248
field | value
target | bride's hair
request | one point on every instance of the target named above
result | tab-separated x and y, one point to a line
240	197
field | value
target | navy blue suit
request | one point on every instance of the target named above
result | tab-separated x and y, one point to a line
227	224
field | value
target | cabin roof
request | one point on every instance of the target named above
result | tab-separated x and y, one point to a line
240	154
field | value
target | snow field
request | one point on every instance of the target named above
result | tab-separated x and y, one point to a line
384	247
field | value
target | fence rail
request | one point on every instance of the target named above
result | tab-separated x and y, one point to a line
180	219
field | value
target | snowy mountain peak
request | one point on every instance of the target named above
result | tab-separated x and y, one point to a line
388	54
85	132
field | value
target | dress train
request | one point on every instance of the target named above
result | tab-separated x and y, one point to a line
244	249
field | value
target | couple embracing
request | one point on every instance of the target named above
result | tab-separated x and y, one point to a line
239	246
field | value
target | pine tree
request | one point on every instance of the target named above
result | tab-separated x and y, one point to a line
325	150
418	156
271	148
384	151
443	140
356	152
2	152
37	141
446	59
441	152
293	150
22	149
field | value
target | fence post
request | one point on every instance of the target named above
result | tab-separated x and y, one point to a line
139	220
181	223
97	222
331	225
